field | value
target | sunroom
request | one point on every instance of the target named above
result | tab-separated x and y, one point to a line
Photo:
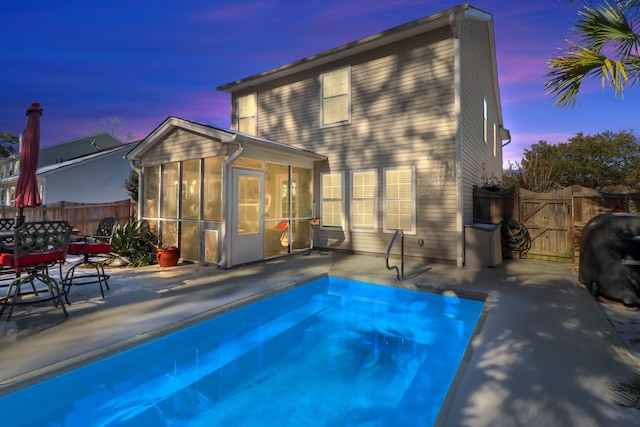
222	196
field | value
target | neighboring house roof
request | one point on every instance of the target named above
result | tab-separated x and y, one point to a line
78	147
223	135
57	167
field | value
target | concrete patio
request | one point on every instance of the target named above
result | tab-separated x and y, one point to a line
546	353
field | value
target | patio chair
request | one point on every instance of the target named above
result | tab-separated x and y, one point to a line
36	247
7	227
95	251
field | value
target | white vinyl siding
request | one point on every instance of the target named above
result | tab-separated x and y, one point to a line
399	200
478	84
421	134
332	194
335	90
364	203
183	145
247	114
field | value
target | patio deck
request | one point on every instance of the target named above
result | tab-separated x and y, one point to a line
546	353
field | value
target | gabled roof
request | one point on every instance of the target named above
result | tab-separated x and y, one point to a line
444	18
86	138
57	167
222	135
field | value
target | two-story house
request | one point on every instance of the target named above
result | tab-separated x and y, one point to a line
388	132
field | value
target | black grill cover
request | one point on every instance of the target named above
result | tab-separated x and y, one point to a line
610	257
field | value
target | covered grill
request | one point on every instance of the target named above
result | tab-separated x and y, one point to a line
610	257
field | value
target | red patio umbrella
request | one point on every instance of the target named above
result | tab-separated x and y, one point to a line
27	194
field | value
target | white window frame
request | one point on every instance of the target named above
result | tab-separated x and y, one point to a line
485	120
347	95
243	116
386	229
495	140
322	200
353	199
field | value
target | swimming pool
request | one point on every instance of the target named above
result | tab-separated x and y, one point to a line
329	352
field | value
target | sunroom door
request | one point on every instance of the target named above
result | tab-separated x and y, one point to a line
248	216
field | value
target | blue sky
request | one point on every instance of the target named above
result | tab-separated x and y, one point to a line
145	61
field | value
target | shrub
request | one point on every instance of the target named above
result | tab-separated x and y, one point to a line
135	242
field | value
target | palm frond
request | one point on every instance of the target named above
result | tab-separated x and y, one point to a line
608	25
608	48
627	393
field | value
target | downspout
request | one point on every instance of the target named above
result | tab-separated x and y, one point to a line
138	170
226	185
453	22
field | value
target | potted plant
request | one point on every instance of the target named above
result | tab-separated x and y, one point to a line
167	256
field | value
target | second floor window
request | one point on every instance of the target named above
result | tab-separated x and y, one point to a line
247	114
335	86
485	120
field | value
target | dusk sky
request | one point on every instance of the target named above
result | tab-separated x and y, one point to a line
144	61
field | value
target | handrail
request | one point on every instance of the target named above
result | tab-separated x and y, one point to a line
400	273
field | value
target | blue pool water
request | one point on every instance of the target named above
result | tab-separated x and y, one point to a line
330	352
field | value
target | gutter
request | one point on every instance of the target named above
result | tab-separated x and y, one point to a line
225	197
505	135
459	221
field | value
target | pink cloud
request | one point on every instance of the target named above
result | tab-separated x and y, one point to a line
235	12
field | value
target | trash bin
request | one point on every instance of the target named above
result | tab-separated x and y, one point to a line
482	245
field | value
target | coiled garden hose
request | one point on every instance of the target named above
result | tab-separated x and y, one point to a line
515	236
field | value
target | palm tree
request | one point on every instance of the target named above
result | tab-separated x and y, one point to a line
607	47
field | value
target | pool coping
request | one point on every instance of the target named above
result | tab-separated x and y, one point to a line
539	313
19	382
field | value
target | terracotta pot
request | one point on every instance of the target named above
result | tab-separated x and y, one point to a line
167	257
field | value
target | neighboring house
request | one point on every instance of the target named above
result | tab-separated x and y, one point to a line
49	155
95	178
61	152
407	120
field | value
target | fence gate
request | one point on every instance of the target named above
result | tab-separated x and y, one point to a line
548	218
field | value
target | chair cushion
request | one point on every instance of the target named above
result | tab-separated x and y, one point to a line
27	260
89	248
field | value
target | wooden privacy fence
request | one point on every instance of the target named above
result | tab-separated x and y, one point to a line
554	220
82	216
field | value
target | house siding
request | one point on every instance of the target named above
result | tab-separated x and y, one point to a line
478	162
100	181
402	114
182	145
